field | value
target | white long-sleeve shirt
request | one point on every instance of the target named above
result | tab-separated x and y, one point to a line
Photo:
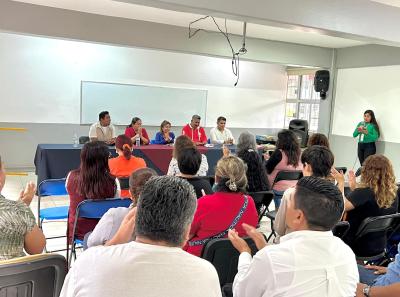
305	263
217	136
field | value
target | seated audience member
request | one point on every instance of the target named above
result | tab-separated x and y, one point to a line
220	134
378	281
125	163
309	261
195	132
376	195
135	130
285	157
181	143
189	161
92	180
317	161
18	229
165	136
247	151
154	264
318	139
103	130
112	219
226	208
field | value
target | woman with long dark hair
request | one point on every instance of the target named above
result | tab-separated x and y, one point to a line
285	157
135	131
125	163
368	133
92	180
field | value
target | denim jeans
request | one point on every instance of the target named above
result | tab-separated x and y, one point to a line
278	198
367	276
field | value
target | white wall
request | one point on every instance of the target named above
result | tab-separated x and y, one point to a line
41	80
359	89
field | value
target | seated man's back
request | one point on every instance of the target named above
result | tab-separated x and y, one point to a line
137	269
310	261
305	263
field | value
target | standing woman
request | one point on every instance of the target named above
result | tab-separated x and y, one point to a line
165	136
135	130
367	132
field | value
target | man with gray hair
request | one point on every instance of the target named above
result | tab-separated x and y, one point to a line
194	131
154	263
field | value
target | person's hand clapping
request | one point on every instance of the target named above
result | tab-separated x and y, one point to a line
238	242
28	193
352	180
256	236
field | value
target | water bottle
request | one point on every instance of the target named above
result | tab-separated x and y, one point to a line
75	140
138	141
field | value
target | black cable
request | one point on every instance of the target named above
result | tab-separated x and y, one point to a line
235	55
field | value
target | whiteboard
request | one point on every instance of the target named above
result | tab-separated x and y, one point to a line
152	104
359	89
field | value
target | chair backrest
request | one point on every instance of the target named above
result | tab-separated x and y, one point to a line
341	229
288	175
52	187
84	139
262	197
96	208
124	182
33	276
376	229
224	257
343	169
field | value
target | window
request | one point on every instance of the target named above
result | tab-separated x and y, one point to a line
302	102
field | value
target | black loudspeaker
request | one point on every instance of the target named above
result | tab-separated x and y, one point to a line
321	82
300	128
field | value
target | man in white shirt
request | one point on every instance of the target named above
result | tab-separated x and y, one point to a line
220	134
103	130
154	264
310	261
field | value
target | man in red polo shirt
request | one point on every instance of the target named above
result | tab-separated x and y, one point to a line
194	131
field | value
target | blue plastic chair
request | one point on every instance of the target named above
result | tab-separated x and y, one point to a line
52	187
153	141
93	209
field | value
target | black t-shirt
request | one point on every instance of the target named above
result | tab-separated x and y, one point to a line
199	183
365	206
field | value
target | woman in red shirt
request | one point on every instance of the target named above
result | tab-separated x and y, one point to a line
92	180
125	163
135	130
229	207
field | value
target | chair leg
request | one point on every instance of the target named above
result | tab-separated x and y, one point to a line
272	231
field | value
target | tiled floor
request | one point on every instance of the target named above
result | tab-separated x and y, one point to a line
16	183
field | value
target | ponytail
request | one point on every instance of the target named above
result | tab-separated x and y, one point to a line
127	151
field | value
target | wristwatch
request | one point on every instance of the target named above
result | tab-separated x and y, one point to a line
366	291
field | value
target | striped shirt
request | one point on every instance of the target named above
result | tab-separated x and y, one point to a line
16	219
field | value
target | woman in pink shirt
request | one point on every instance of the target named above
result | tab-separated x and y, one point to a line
285	157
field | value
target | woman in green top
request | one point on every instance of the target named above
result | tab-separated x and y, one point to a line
367	132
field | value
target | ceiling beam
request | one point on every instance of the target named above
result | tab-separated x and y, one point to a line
23	18
356	19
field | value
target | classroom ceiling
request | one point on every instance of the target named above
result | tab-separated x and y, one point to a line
300	35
